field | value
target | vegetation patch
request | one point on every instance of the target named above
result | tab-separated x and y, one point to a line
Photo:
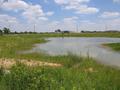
113	46
83	75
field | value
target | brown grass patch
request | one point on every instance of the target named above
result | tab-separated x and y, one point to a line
8	63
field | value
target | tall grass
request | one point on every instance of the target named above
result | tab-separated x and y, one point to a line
83	75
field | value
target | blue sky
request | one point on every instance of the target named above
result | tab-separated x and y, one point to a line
48	15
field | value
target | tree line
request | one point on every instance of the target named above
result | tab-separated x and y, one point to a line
4	31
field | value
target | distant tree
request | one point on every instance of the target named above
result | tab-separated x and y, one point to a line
25	32
82	31
15	32
6	30
58	30
1	32
30	32
20	32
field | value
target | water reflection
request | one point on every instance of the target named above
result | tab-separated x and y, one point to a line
81	46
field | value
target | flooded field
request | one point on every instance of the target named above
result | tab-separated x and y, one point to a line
81	46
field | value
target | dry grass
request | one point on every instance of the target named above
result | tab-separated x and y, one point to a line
8	63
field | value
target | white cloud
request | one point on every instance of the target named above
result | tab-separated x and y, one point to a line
43	18
79	6
86	10
61	1
15	5
50	13
33	12
10	22
72	23
75	2
70	18
67	23
110	14
7	19
117	1
29	11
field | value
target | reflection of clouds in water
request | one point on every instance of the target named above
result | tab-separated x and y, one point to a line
81	46
70	44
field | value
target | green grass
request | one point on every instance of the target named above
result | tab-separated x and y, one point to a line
97	34
106	34
76	76
77	73
11	44
113	46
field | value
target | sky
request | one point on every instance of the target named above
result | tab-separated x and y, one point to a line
49	15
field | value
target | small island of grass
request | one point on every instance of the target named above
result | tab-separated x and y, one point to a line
113	46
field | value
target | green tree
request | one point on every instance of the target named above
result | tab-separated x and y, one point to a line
6	30
1	32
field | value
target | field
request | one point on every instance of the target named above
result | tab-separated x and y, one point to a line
74	72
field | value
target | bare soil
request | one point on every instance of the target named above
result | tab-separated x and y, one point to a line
8	63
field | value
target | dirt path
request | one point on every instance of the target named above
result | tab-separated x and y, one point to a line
7	63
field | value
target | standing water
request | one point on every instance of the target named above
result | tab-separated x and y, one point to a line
82	46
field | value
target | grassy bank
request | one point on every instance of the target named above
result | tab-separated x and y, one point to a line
97	34
76	73
113	46
105	34
11	44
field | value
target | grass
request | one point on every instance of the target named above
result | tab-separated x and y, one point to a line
11	44
77	73
102	34
113	46
83	75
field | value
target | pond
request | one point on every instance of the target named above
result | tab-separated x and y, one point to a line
82	46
